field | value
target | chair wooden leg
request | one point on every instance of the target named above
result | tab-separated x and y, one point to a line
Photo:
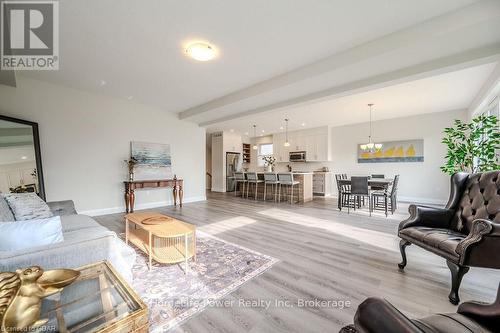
265	190
402	247
457	273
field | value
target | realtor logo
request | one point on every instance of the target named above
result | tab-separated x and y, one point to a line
29	35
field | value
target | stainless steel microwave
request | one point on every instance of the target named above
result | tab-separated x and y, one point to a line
297	156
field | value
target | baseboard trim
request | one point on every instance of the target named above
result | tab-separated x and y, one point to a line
148	205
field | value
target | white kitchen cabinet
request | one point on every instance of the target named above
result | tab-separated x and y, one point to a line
315	142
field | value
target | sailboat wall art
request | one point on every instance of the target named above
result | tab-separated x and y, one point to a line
394	151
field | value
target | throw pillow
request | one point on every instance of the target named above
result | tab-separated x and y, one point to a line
21	235
27	206
5	212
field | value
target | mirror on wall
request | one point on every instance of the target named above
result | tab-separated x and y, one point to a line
20	158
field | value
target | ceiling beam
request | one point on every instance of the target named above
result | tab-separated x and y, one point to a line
428	30
443	65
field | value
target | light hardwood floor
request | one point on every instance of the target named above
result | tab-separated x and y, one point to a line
325	255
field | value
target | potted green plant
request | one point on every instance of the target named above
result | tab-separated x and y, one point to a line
472	146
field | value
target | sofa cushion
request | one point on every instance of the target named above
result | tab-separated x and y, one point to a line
21	235
27	206
480	200
79	222
443	239
5	212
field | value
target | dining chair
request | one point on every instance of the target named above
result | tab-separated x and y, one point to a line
359	189
343	191
286	179
375	187
252	178
389	196
271	178
239	177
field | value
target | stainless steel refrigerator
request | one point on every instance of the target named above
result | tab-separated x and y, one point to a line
233	164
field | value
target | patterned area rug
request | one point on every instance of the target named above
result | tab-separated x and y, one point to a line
173	297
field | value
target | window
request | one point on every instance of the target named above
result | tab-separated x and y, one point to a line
264	150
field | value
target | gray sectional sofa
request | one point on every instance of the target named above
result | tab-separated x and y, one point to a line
85	242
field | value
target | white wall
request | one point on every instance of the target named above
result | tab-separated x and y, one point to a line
85	138
419	182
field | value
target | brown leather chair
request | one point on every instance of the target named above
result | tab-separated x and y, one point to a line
376	315
466	232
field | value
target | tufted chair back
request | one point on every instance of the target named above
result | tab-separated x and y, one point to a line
480	200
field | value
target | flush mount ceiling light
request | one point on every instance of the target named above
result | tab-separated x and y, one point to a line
200	51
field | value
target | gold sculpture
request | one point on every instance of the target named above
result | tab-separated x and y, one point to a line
21	294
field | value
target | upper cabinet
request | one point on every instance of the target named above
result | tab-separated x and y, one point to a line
315	142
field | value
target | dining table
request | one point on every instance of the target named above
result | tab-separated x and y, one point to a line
378	183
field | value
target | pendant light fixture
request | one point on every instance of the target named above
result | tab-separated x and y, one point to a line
254	137
286	144
371	146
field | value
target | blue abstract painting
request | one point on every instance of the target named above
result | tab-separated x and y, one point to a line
153	160
153	154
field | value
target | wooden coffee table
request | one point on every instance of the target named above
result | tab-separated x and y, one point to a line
168	242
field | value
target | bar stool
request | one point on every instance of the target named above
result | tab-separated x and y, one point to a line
253	179
286	179
239	178
271	178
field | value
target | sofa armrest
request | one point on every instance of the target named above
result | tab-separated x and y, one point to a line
481	229
485	314
61	208
376	315
426	216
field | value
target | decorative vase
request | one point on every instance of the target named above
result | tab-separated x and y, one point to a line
131	176
272	168
269	168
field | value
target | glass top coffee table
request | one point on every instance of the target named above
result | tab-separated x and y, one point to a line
98	301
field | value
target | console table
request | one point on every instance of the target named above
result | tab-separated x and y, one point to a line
131	186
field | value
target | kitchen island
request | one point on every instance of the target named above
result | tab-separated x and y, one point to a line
304	190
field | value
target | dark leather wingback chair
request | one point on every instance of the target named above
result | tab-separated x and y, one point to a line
376	315
466	232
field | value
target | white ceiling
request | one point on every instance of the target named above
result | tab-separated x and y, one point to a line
451	91
136	47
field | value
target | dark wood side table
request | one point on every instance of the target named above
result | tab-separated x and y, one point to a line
131	186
